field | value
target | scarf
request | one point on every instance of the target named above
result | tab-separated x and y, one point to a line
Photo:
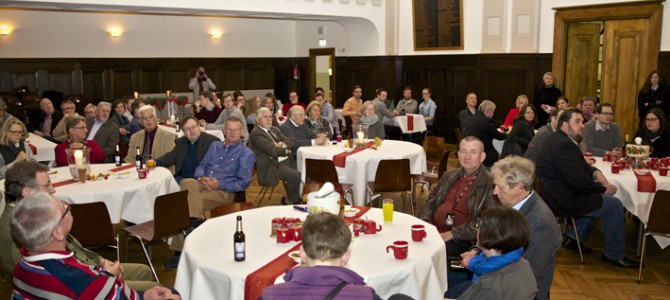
10	151
481	265
365	120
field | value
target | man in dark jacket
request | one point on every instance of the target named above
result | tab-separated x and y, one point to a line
45	125
188	151
482	126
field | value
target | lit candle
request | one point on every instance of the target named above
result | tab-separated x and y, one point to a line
136	95
79	159
168	93
360	134
172	119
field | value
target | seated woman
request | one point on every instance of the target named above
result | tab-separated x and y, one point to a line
254	104
315	122
119	108
77	132
206	108
562	103
522	131
511	115
655	133
13	146
427	108
371	119
499	270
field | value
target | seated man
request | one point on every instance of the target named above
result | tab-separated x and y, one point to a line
189	150
272	149
324	253
513	178
49	119
69	109
296	130
574	189
49	270
151	140
104	131
227	168
542	135
602	135
28	177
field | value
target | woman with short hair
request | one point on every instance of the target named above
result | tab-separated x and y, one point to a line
317	123
13	146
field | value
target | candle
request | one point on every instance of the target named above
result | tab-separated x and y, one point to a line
136	95
360	134
168	93
79	159
172	119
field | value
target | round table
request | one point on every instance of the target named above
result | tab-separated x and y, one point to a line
127	197
44	148
360	168
207	269
637	203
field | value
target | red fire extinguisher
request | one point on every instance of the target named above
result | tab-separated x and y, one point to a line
296	72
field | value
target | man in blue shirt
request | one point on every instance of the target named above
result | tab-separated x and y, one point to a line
226	169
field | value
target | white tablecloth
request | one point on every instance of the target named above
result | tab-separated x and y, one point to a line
216	133
638	203
419	123
207	269
361	168
45	148
128	198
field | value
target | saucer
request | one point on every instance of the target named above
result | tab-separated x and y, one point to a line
641	171
295	255
351	212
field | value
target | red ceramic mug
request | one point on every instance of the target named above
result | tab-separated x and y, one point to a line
418	232
277	223
399	248
282	236
663	171
295	233
616	167
371	227
142	173
359	226
339	138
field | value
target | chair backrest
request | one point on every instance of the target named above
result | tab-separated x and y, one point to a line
92	225
393	175
434	147
170	214
321	171
458	133
660	209
347	125
229	208
442	167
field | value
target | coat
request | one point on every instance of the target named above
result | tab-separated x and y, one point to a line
163	143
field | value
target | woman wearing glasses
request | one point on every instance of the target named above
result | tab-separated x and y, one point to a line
77	132
13	146
654	132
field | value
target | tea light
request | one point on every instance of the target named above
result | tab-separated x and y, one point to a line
136	95
172	119
360	135
168	93
79	159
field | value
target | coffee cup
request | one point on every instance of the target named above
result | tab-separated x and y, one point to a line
663	171
282	236
295	233
339	138
277	223
616	168
418	232
371	227
142	173
399	248
359	226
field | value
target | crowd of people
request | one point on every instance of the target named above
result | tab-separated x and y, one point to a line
487	210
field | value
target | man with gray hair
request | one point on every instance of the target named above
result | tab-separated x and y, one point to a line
482	126
151	140
513	178
301	135
103	131
542	135
49	270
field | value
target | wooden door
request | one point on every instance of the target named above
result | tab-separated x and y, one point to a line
581	69
626	64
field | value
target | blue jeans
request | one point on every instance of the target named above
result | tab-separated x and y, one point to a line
612	218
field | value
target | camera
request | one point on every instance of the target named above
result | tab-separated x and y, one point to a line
201	73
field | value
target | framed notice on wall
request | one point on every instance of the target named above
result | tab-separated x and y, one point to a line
438	24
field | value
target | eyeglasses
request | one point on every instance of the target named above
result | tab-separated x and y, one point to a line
68	108
16	132
233	129
67	211
651	119
607	113
191	128
79	127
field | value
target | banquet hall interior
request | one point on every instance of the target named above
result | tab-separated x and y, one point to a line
96	50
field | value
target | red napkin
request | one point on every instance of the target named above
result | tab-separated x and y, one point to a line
340	160
265	276
646	183
33	149
410	123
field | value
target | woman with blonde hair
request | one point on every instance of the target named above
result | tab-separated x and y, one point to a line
511	115
13	146
371	119
252	107
317	123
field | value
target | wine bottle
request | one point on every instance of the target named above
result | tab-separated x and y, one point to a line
239	247
117	156
176	125
138	159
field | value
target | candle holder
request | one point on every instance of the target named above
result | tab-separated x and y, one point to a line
168	93
360	134
78	161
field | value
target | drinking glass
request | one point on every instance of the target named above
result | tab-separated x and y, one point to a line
387	207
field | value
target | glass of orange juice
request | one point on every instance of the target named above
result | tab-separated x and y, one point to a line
151	163
387	208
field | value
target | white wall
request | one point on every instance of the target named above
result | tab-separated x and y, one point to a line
306	37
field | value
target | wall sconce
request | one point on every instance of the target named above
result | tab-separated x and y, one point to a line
215	35
5	30
115	33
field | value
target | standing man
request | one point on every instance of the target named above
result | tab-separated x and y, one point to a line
45	125
513	178
382	110
602	135
273	150
545	97
150	140
189	150
226	169
200	83
469	112
407	103
353	106
574	189
296	130
103	131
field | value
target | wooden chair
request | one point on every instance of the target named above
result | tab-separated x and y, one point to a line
171	217
434	147
347	126
322	171
93	227
657	222
428	179
392	176
263	191
229	208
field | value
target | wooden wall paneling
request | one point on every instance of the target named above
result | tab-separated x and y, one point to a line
62	81
437	79
259	78
413	76
176	80
121	83
93	83
25	78
233	79
502	86
149	81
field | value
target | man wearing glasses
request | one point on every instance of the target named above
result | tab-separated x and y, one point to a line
227	168
602	135
69	109
104	131
151	141
189	150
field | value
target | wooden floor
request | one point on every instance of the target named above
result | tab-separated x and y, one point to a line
572	280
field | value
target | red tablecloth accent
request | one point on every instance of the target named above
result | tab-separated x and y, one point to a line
646	183
168	125
340	160
265	276
66	182
410	122
33	149
362	211
126	167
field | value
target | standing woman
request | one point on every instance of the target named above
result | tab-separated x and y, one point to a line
119	118
77	132
371	119
654	94
13	147
427	108
654	132
522	131
315	122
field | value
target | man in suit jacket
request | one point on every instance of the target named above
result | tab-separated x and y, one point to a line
382	110
574	189
103	131
272	149
49	119
158	141
189	150
513	178
296	130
